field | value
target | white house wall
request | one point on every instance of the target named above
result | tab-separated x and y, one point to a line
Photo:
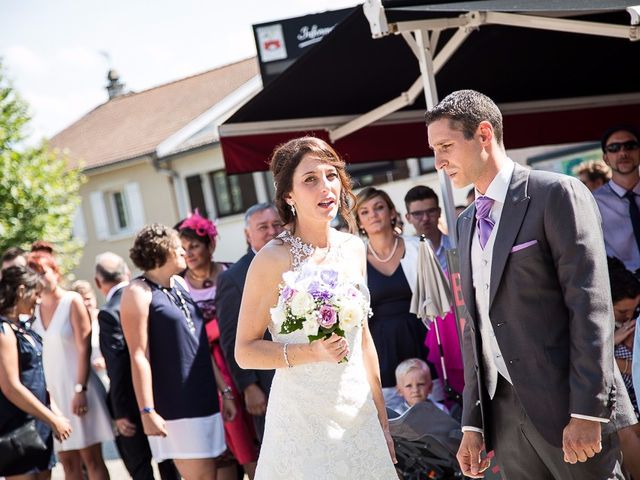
152	200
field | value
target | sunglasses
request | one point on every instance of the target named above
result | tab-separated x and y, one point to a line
626	146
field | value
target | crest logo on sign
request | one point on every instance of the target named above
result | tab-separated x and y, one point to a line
271	43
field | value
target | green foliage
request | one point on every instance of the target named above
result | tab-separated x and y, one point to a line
38	188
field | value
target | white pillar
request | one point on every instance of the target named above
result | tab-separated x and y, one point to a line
431	97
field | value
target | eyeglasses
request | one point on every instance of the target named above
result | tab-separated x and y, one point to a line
431	212
626	146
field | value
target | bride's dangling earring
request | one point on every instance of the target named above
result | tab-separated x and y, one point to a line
293	210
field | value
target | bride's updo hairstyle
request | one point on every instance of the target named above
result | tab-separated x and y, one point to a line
285	160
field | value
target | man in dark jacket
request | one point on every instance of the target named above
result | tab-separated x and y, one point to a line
261	225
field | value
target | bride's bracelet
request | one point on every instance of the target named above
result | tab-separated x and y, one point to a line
286	355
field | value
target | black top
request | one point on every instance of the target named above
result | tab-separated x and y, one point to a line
31	376
397	334
184	385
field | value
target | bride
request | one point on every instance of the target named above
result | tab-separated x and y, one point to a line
325	417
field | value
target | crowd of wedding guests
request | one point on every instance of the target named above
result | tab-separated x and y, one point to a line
154	370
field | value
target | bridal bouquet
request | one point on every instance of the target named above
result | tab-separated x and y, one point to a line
319	302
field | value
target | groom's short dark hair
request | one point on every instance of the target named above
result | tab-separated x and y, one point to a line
465	109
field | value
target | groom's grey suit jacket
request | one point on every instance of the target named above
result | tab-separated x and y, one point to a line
550	306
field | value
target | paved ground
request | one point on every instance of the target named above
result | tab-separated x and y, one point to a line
114	464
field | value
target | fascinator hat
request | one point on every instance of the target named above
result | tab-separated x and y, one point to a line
202	227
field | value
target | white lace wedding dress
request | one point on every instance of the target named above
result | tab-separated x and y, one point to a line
321	422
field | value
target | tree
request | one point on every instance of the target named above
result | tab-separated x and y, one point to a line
39	189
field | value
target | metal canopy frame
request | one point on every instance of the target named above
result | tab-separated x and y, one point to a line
422	38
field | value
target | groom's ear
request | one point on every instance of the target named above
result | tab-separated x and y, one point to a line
485	132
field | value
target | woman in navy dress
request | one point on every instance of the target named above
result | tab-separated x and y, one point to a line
173	375
391	278
23	394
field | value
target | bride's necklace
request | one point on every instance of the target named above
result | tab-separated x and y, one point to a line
384	260
301	251
205	280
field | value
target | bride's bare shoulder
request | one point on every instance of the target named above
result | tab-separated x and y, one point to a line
272	260
351	242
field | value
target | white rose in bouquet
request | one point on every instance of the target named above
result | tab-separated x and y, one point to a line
350	315
301	304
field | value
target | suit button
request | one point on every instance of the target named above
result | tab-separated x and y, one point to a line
484	262
486	286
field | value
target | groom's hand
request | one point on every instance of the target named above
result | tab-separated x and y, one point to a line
581	440
470	455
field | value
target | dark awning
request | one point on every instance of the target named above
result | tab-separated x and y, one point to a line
554	87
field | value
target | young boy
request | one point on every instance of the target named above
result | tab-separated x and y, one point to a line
414	384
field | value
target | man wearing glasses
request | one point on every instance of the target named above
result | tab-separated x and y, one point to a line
618	200
423	212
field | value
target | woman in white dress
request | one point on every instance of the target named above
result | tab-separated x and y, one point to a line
325	418
63	323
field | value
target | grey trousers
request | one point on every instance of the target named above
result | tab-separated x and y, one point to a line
523	453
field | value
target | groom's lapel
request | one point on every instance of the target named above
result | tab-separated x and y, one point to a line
513	212
467	223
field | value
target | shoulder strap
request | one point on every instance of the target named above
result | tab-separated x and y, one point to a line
299	251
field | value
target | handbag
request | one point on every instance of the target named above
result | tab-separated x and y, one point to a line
19	443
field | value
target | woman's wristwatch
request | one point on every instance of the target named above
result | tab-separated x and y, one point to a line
79	388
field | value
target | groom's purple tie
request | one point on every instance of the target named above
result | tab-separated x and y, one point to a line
484	224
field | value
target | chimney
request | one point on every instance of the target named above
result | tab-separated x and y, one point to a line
115	87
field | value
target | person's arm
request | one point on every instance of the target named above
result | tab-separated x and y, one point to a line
20	395
370	358
577	248
134	315
81	327
228	407
252	351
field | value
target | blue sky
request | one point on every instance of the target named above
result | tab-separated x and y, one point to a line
52	50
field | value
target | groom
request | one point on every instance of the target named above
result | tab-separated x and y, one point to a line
539	368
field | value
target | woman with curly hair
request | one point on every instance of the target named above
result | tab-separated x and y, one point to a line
173	376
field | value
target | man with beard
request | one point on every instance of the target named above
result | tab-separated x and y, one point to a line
618	200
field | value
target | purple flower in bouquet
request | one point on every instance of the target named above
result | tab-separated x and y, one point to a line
317	292
327	316
287	293
329	277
